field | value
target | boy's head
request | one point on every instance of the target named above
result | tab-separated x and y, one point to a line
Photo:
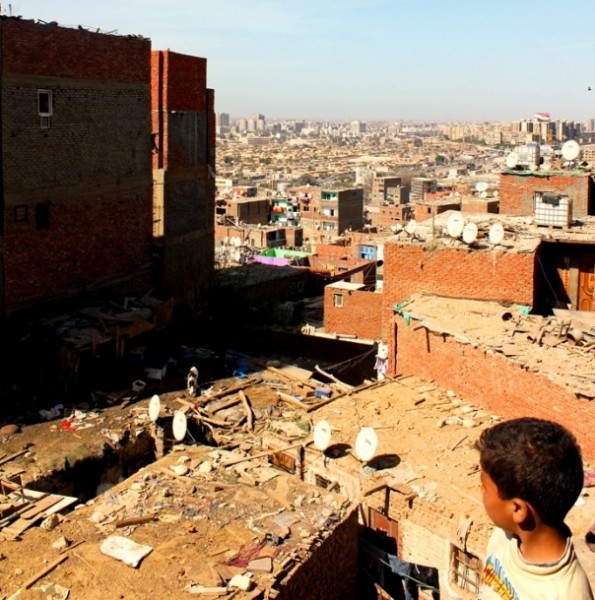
536	461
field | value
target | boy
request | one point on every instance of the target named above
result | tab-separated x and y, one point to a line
531	475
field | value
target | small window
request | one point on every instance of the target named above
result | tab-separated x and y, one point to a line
322	482
44	103
465	570
42	215
21	213
338	300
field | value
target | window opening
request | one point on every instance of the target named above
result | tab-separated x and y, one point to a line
42	215
45	106
465	570
21	214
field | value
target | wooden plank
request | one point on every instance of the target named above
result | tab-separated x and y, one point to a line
44	571
135	520
13	456
41	505
21	525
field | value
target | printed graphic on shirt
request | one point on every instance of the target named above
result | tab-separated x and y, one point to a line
494	578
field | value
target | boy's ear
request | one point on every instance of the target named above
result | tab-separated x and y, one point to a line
522	512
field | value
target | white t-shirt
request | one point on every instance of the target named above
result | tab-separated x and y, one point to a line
507	575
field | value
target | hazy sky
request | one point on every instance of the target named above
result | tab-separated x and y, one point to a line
444	60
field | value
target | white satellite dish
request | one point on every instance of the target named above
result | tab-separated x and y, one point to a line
411	227
496	233
570	150
154	408
481	186
483	194
179	425
470	233
366	444
512	160
322	435
455	225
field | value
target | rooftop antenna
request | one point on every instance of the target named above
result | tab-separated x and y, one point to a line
469	233
455	225
496	234
322	435
512	160
179	425
154	408
411	227
366	444
570	150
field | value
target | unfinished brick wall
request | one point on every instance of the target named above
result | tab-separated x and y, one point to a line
77	184
331	570
360	313
183	161
457	273
517	191
493	382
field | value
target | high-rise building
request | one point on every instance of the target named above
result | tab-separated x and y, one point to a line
222	123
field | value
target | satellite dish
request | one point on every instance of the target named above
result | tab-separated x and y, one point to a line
570	150
411	227
483	194
496	193
455	225
470	233
481	186
496	233
322	435
512	160
366	444
179	425
154	408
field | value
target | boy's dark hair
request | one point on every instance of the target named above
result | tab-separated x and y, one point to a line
536	460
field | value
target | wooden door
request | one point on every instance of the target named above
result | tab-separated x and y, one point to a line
586	289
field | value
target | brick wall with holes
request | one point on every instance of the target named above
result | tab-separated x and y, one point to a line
493	381
77	185
517	191
353	312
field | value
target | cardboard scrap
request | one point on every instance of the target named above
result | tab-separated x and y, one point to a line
124	549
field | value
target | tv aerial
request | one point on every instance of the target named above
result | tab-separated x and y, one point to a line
570	150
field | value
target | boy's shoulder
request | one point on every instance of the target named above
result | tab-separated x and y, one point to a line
507	574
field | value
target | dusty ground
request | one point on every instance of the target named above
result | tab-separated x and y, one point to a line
425	434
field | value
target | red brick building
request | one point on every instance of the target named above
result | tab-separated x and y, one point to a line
76	163
183	122
518	189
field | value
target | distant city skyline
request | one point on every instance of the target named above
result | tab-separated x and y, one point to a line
444	61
